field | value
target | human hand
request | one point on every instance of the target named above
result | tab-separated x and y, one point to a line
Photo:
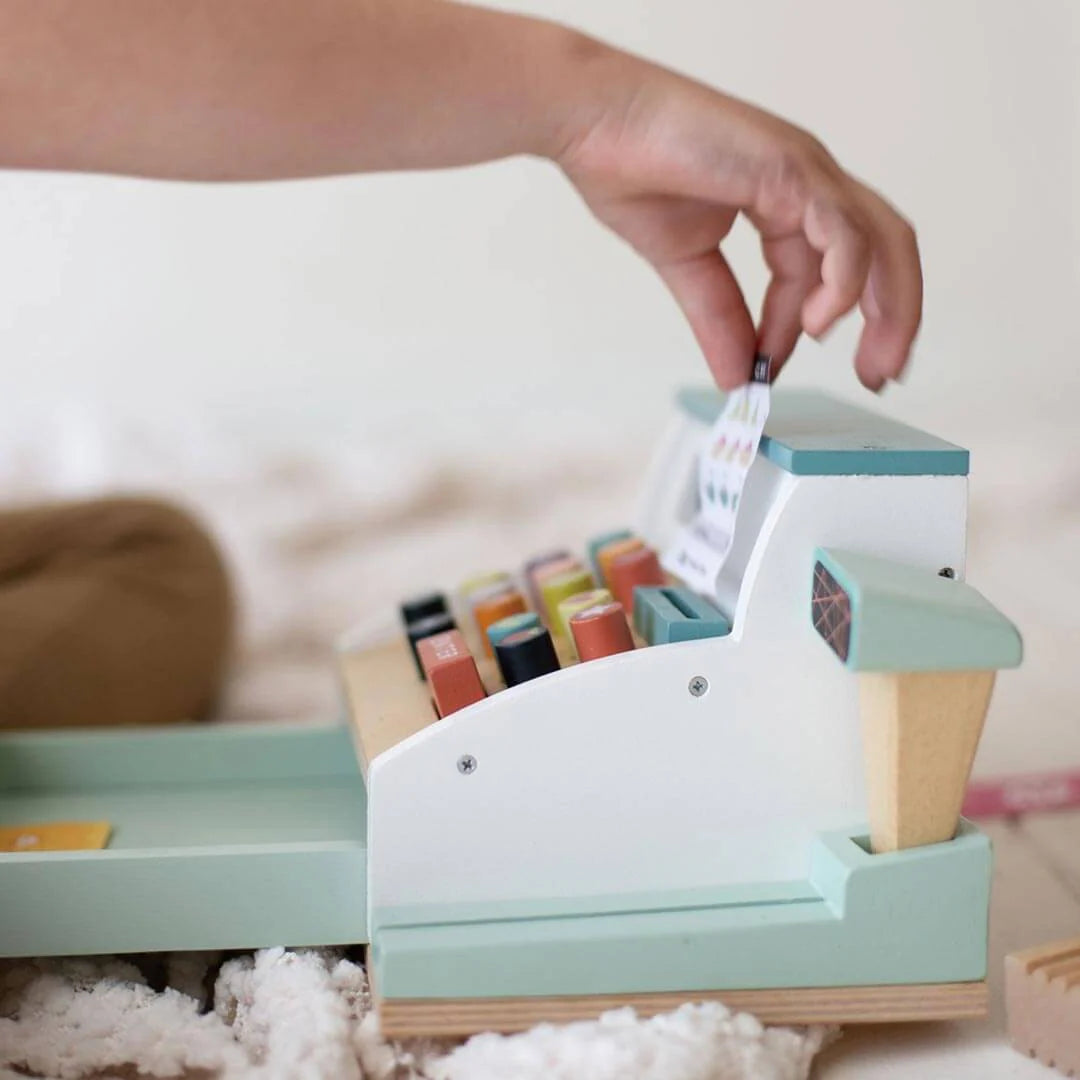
669	164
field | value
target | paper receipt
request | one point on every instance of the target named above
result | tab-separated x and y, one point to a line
699	551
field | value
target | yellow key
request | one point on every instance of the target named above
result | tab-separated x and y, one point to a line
55	836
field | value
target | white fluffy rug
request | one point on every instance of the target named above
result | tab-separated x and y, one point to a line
306	1016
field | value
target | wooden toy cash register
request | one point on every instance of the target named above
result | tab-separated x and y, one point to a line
759	802
585	785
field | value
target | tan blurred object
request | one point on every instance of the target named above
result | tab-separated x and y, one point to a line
112	612
1042	996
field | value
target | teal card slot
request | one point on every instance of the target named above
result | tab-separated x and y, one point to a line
665	614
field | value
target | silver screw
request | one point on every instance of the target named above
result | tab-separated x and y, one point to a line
466	764
698	686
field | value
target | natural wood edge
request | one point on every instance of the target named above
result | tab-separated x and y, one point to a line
1029	960
406	1018
388	702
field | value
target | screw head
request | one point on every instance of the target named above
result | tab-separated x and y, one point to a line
466	764
698	686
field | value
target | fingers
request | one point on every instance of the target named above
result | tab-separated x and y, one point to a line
796	270
853	248
713	304
892	301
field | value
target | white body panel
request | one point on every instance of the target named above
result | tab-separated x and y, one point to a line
610	777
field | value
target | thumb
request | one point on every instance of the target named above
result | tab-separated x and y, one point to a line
710	298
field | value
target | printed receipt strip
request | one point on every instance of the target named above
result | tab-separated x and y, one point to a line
698	553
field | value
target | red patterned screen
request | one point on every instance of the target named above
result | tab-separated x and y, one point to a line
831	611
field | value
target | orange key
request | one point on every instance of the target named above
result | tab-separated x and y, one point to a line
607	555
490	611
451	671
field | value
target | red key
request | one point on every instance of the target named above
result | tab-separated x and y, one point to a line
451	671
601	631
637	567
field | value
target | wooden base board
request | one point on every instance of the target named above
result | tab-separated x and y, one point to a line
406	1018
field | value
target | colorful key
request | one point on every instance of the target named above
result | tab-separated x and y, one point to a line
480	581
559	587
525	655
607	555
533	565
601	631
451	672
474	591
492	610
578	602
422	607
631	569
511	625
597	542
424	628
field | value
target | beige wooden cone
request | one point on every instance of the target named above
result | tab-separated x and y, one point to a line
920	733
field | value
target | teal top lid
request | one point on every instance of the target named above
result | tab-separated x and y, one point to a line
881	615
812	434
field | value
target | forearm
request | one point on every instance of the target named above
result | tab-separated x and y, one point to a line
263	89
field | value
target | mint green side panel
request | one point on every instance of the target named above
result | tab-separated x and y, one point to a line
222	837
228	898
812	434
906	917
906	618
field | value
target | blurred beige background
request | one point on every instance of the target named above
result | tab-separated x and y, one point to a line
412	304
333	371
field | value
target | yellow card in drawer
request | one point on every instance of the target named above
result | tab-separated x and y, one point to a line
55	836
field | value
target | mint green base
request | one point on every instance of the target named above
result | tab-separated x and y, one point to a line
223	837
916	916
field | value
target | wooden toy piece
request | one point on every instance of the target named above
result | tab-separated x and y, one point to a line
569	607
480	587
920	733
526	655
545	568
594	546
533	565
559	587
1042	1000
607	555
667	614
387	702
511	625
422	607
927	648
601	631
415	632
451	672
55	836
405	1018
640	567
492	609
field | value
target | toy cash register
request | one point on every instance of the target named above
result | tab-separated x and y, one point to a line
753	796
580	784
